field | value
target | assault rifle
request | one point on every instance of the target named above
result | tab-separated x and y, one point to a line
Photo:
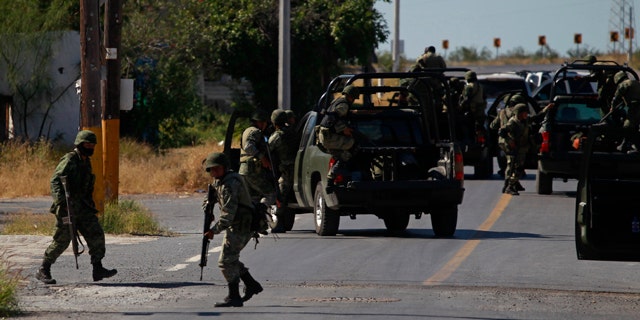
208	219
68	220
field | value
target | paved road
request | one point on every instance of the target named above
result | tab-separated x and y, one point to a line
511	258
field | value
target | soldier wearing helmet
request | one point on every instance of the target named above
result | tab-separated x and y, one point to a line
628	94
76	167
255	165
235	218
282	145
472	104
335	135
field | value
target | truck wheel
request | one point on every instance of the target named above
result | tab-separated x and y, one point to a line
289	219
544	182
397	222
325	220
444	220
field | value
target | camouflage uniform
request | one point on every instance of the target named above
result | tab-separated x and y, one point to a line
76	166
431	60
331	131
282	144
254	149
517	136
628	93
472	105
236	209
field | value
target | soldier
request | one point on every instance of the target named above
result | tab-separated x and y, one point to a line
501	121
472	103
255	165
431	60
76	166
283	148
235	218
334	133
517	142
628	93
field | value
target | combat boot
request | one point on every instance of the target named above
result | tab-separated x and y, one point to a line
511	189
279	228
251	286
505	186
100	272
233	299
518	186
44	273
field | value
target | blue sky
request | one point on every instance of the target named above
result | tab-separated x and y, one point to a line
518	23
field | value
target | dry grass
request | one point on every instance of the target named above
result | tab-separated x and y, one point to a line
29	223
26	168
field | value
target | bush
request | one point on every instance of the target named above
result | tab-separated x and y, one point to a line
128	217
9	280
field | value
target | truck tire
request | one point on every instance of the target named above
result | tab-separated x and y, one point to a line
544	182
397	223
325	220
444	220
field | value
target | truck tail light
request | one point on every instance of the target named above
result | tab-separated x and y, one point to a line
458	166
480	138
544	146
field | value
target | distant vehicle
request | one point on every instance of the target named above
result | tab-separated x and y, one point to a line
573	83
607	219
575	111
494	84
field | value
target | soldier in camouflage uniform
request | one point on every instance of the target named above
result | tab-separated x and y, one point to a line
255	165
628	93
501	121
76	166
517	139
472	105
431	60
283	150
335	134
235	218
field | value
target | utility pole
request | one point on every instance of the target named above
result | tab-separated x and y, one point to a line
395	50
90	98
111	102
284	54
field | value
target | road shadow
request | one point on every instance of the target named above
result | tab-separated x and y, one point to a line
460	234
154	285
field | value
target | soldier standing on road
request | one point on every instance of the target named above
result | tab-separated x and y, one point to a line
501	121
255	165
628	93
517	139
283	149
76	166
235	218
335	134
472	103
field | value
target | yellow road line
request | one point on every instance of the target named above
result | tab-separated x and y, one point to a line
452	265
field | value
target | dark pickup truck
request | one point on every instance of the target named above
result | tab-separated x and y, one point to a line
406	163
577	107
607	219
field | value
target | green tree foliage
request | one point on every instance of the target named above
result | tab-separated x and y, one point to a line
470	54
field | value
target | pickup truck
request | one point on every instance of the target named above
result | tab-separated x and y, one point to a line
577	107
607	220
406	163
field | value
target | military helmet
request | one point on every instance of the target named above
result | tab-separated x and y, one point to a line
351	90
279	117
520	107
85	136
591	59
515	99
260	115
470	75
620	76
215	159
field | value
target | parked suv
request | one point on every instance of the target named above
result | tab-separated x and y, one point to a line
574	113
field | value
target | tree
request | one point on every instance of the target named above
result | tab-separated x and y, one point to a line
28	31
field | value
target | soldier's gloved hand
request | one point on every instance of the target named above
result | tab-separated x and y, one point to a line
347	131
209	234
